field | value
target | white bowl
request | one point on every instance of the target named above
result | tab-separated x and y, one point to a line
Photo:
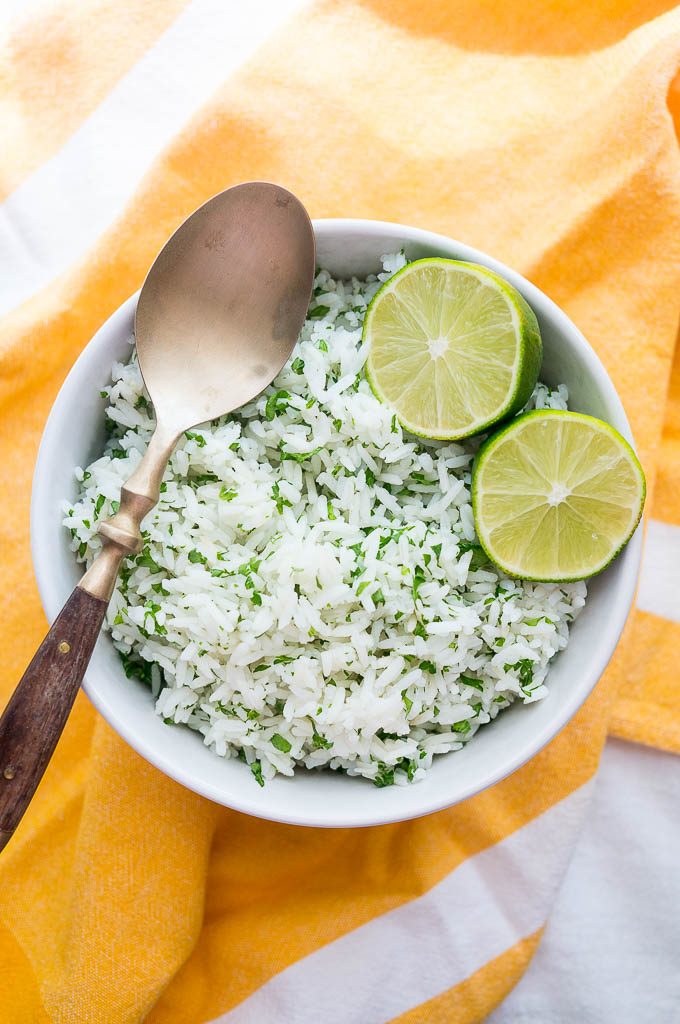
74	435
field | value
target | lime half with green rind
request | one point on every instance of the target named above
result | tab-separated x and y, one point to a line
453	348
556	496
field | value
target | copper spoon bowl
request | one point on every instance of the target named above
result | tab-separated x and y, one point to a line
218	316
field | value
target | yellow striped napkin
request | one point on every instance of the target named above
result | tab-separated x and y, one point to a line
541	134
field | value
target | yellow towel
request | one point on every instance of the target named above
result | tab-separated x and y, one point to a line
542	134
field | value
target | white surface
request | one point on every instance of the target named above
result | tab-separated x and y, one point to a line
659	589
312	798
428	945
610	953
12	12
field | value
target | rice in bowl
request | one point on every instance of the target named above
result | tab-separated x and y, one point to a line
311	591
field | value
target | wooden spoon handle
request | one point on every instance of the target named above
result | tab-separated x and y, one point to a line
35	717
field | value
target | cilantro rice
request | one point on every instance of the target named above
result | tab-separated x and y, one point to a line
311	590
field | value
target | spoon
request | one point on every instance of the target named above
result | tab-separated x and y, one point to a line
218	316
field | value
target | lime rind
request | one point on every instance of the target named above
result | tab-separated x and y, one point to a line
525	368
514	427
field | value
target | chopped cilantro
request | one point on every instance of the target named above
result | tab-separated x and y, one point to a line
256	769
525	670
252	566
280	502
147	561
317	739
280	743
140	669
418	580
276	404
479	556
382	735
384	777
298	456
198	438
477	684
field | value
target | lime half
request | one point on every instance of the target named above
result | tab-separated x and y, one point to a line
556	496
453	348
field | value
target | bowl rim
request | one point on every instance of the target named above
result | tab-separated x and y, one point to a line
162	759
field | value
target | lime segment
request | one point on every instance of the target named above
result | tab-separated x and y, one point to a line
453	348
556	496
